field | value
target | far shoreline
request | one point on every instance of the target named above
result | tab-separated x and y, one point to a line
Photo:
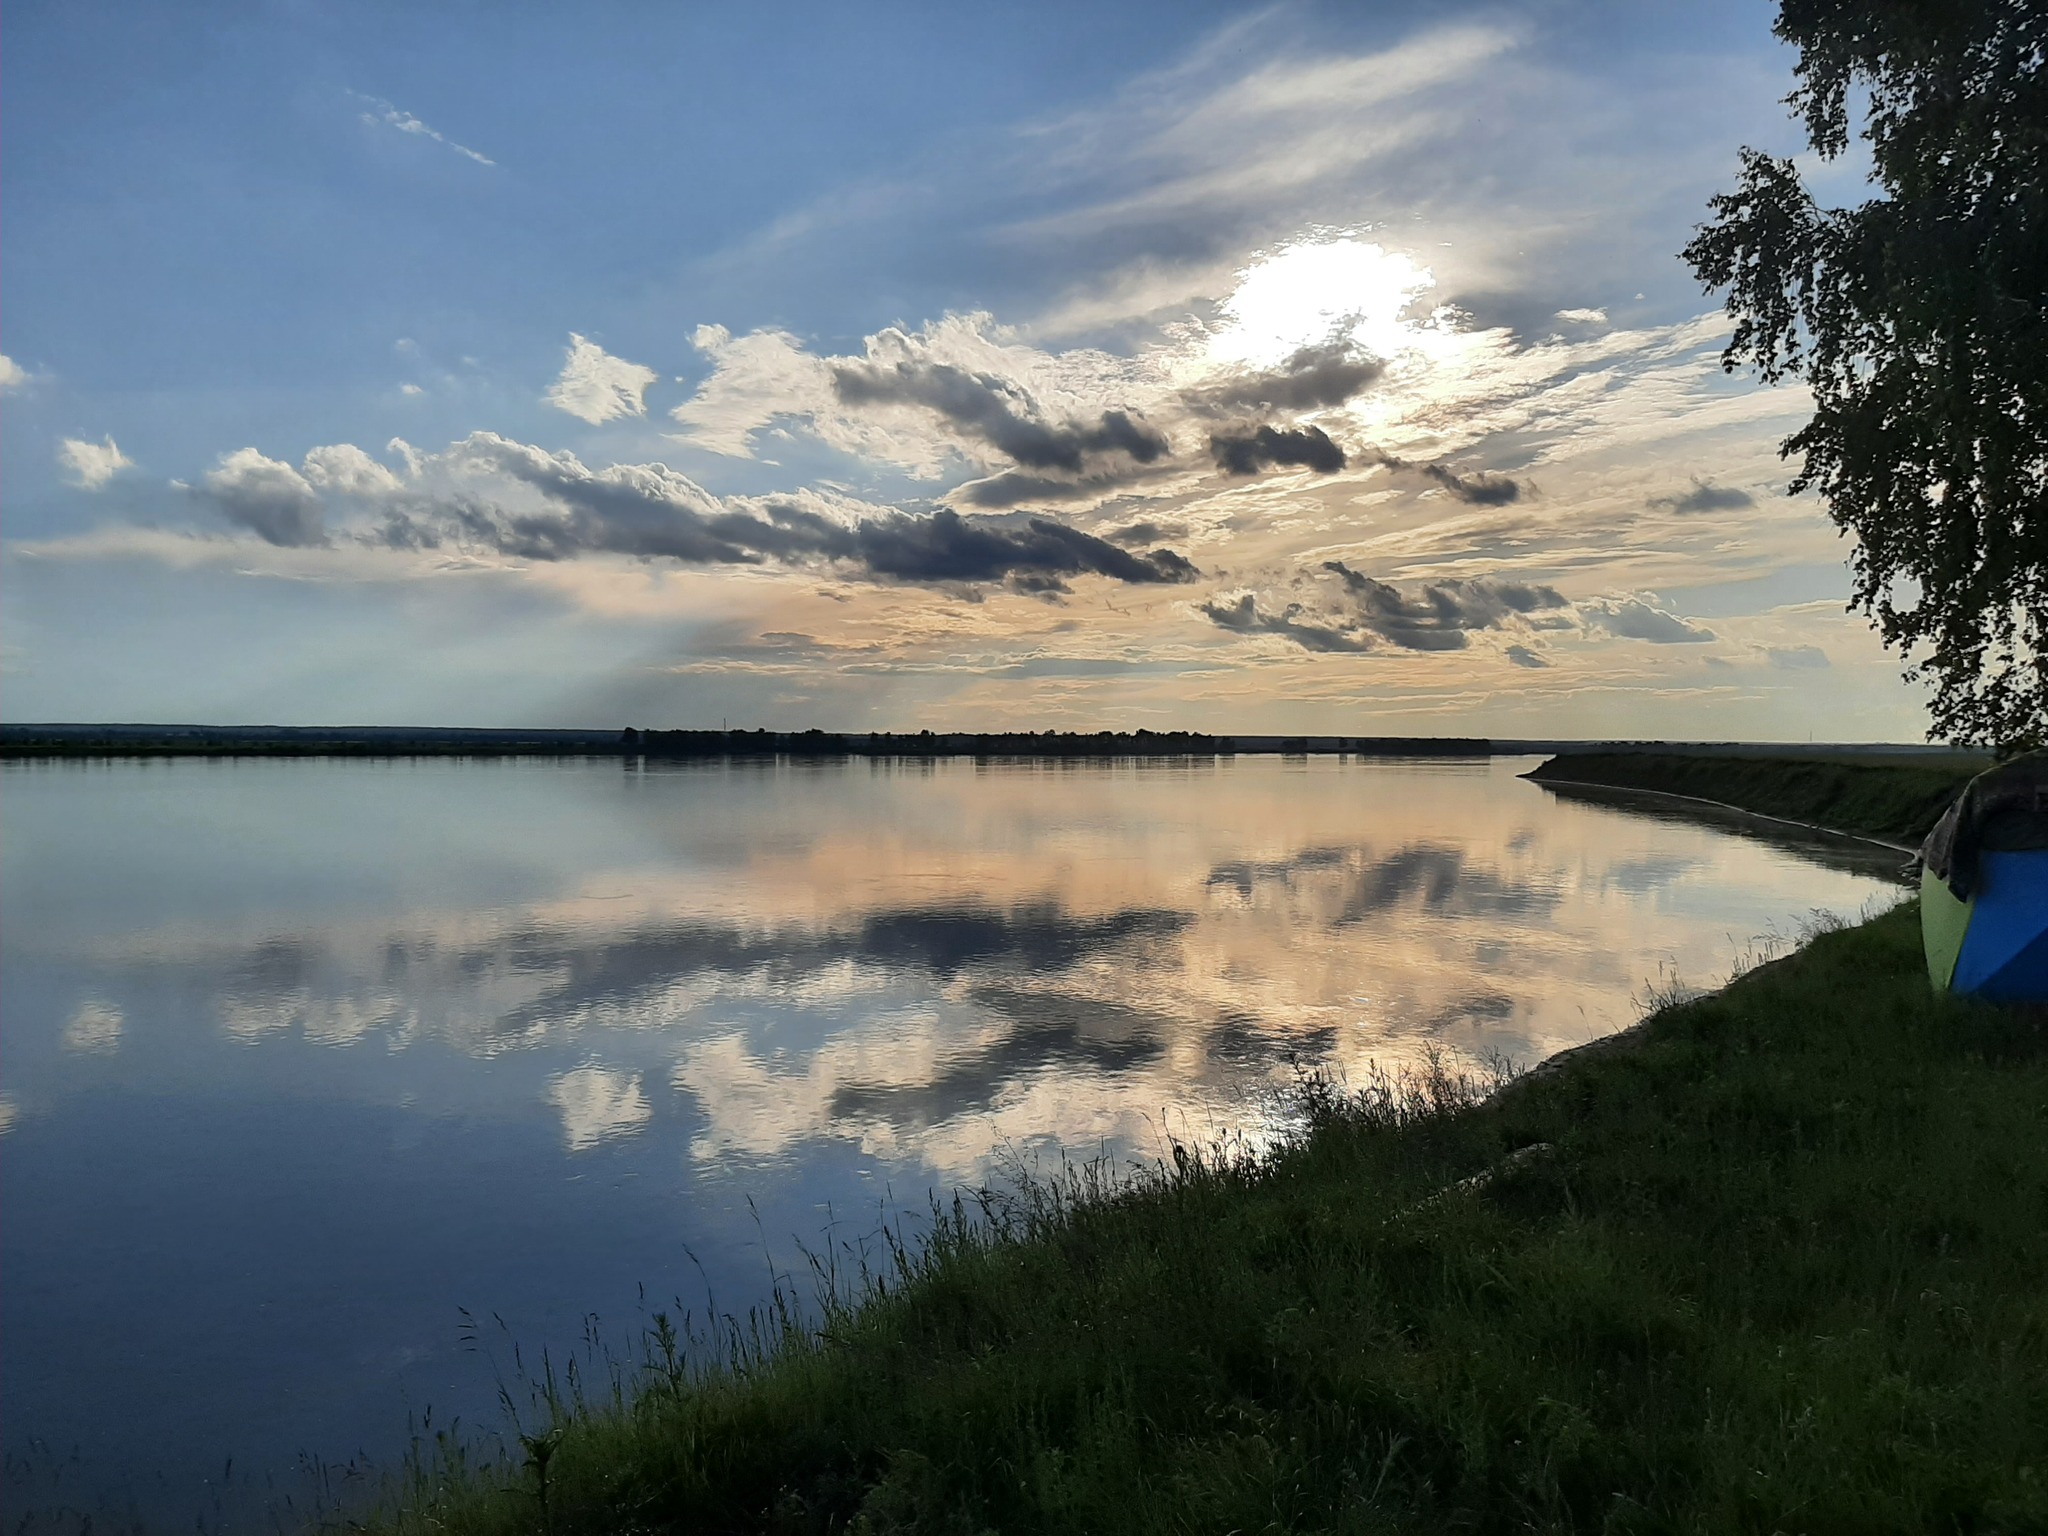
59	740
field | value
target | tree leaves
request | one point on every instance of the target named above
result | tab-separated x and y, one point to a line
1919	319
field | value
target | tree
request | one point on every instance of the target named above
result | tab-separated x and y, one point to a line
1917	320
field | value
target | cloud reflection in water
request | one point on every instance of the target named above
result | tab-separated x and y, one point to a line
938	963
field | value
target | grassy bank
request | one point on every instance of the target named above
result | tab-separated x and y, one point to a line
1783	1266
1894	800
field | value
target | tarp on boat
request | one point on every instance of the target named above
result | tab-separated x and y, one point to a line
1984	885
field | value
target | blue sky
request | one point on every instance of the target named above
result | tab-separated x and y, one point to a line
1297	368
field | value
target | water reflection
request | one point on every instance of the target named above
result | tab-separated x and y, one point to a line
899	959
349	1045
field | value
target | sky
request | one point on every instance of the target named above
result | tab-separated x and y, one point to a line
1306	368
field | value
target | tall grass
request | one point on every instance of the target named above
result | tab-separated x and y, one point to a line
1783	1266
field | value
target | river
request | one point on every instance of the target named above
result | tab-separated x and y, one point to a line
326	1083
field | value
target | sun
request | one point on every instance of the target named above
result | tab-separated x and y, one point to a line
1313	292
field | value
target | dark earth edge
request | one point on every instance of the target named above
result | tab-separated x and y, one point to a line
158	740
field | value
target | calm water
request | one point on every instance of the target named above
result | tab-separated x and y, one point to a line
303	1057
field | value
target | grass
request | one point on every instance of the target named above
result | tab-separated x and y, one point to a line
1781	1265
1895	799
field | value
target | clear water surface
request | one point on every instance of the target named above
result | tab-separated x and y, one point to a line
301	1058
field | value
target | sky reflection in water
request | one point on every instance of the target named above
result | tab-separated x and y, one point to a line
302	1057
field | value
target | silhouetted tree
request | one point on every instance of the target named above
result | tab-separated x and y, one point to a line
1917	320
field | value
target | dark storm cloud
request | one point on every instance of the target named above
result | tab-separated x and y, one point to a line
1705	496
1246	450
949	547
999	412
1363	613
1479	488
1438	614
1147	532
651	512
1312	379
1246	617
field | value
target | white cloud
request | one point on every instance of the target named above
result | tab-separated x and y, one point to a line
346	469
1583	316
754	379
268	497
1246	145
382	112
1633	619
12	374
598	387
92	465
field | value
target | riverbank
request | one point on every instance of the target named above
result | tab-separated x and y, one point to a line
1782	1265
61	741
1891	799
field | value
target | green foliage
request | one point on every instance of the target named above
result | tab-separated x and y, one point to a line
1898	801
1920	321
1783	1267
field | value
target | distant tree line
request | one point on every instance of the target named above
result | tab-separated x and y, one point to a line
1138	743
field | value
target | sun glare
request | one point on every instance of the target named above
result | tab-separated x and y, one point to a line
1313	292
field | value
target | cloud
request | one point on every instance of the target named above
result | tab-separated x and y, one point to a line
1633	619
598	387
490	493
1211	146
949	547
1705	496
960	391
346	469
1583	316
1146	532
92	465
1245	450
1522	656
12	375
268	497
1796	656
1479	489
1014	487
1314	378
997	410
754	379
1243	614
382	112
1434	616
1360	614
